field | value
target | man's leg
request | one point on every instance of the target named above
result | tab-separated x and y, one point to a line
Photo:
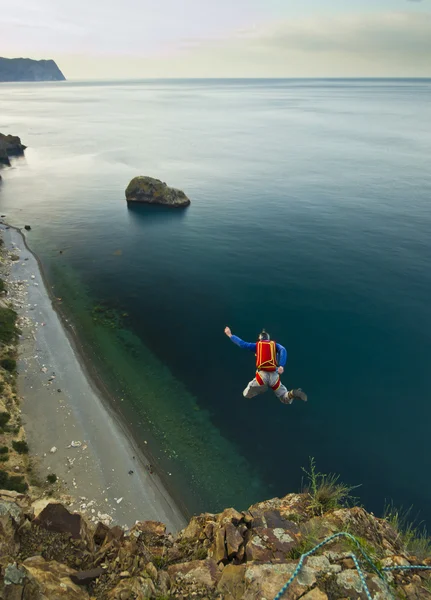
282	392
254	388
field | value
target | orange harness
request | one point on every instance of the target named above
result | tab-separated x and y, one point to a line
274	387
266	355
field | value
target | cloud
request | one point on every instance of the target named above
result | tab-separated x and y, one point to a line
390	44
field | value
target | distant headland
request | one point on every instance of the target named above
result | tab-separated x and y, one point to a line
27	69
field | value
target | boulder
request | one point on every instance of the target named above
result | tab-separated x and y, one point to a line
86	577
199	527
10	145
232	584
11	517
218	550
153	191
154	528
265	545
265	581
50	579
204	572
55	517
138	588
234	540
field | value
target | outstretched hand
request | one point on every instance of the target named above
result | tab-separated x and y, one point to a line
228	332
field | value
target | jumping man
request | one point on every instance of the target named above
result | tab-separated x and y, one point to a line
270	361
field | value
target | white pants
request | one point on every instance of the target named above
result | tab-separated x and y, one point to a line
262	381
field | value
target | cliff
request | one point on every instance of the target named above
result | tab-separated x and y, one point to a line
27	69
47	552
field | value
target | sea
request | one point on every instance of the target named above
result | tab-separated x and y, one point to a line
310	216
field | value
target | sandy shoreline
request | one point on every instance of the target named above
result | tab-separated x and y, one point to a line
96	470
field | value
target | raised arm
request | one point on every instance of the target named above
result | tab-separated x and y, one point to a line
239	342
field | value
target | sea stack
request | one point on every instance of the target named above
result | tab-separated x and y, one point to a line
10	145
148	190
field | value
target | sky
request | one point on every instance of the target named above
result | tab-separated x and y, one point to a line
102	39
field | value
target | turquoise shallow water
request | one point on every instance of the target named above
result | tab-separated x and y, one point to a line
310	216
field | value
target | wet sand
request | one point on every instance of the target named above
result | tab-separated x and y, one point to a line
71	429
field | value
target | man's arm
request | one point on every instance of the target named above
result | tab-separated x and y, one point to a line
239	342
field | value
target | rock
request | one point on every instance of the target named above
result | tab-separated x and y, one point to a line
232	583
39	505
349	580
27	227
163	582
4	158
218	550
233	540
86	577
10	145
14	575
265	545
315	594
153	191
115	533
11	517
265	581
137	588
50	579
100	533
204	572
198	527
230	515
152	571
55	517
150	528
13	592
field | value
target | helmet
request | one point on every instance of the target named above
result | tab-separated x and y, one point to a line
263	335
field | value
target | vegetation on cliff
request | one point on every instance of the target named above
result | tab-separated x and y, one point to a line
47	552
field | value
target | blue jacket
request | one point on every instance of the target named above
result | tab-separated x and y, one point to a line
281	350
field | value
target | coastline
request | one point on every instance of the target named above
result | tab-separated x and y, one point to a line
96	472
100	387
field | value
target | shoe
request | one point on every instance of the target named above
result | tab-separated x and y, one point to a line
286	399
299	395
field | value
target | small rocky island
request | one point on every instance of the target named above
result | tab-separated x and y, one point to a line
27	69
10	145
148	190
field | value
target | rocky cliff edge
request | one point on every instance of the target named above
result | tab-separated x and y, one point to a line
48	552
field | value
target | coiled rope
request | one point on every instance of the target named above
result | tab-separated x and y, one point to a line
357	565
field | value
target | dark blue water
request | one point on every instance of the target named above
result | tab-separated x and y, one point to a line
310	216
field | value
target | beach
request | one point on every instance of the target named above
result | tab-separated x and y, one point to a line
71	431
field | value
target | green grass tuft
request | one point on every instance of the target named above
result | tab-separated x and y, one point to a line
14	483
9	364
51	478
326	492
8	329
413	537
4	419
20	446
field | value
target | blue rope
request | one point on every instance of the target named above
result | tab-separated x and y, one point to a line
355	560
407	568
